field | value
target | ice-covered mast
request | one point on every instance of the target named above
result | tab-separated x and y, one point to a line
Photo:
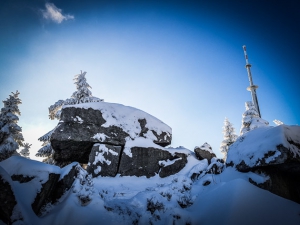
252	87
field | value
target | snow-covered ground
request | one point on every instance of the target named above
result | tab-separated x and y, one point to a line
226	198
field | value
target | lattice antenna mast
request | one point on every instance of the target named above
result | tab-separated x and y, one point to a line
252	88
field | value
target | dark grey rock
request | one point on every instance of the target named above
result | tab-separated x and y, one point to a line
8	201
21	178
175	167
145	162
44	196
65	183
202	152
215	167
109	164
54	188
74	136
163	139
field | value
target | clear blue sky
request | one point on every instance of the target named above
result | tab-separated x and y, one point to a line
181	61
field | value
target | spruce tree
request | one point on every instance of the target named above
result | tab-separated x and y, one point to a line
46	150
83	88
229	137
251	119
10	133
82	95
25	151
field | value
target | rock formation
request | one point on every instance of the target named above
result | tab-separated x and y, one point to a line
204	152
98	133
49	183
83	125
9	209
274	151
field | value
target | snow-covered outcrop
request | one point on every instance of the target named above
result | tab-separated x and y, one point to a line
266	146
204	152
115	139
9	207
274	151
45	185
83	125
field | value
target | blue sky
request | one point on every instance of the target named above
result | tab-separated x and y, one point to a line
181	61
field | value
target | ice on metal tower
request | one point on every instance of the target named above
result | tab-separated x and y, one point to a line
252	88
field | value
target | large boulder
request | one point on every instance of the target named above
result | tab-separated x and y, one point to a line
274	151
83	125
204	152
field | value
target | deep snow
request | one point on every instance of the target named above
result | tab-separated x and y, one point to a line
228	199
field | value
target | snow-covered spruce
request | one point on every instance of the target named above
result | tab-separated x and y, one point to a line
82	95
229	137
251	119
10	133
46	150
25	151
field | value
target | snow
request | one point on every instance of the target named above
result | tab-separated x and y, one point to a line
100	155
206	147
100	136
168	162
255	144
78	119
228	199
139	142
31	168
127	118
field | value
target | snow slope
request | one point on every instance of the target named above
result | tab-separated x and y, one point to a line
228	199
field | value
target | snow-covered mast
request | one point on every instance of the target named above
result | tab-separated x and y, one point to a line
252	87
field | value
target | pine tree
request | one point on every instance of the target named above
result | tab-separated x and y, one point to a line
251	119
10	133
25	151
229	137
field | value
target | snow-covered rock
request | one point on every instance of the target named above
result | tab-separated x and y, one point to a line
83	125
149	161
9	208
266	146
274	151
104	160
204	152
43	184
